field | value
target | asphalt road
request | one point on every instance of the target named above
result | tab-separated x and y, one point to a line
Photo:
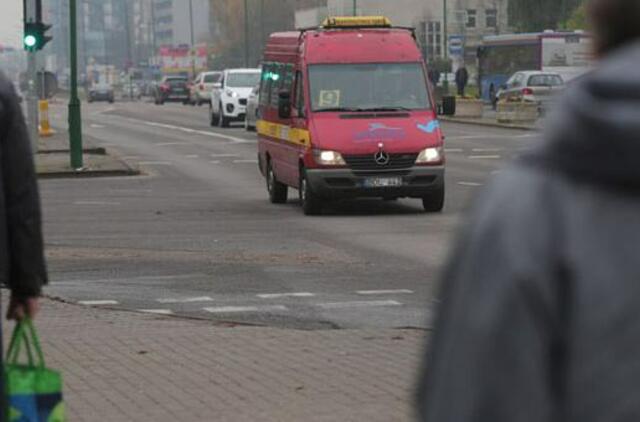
196	235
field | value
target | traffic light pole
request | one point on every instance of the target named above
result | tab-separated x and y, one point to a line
75	118
32	100
246	34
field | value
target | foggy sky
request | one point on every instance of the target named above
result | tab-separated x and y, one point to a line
10	22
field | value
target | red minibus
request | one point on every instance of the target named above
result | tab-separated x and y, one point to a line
346	111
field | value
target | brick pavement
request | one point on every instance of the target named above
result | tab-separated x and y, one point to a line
121	366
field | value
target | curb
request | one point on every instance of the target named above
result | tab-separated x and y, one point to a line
94	151
88	173
487	124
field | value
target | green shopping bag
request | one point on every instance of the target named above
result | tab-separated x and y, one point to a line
34	392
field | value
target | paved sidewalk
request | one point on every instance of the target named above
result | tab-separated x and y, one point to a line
121	366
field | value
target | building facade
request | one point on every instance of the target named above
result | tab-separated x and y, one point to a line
173	21
467	22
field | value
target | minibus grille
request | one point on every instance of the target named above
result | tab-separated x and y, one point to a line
368	162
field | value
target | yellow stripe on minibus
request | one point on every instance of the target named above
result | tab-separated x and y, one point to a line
284	133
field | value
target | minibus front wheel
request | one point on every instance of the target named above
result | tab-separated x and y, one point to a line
311	203
434	201
278	192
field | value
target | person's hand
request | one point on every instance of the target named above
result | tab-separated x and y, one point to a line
21	307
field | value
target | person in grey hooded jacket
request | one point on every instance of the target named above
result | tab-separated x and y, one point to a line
540	304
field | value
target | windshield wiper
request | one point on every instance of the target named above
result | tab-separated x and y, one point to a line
398	108
330	109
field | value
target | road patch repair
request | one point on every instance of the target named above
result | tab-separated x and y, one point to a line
52	160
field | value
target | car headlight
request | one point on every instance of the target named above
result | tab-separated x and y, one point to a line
430	156
232	94
329	158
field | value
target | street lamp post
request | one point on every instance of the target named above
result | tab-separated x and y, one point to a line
193	56
75	118
445	24
246	34
355	7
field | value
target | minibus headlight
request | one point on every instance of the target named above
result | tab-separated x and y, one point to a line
329	158
430	156
232	94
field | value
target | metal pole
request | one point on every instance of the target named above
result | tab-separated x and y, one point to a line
355	7
445	21
193	57
75	118
246	34
32	99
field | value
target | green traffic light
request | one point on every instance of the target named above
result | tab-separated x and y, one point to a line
30	41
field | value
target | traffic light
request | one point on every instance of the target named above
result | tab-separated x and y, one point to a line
35	36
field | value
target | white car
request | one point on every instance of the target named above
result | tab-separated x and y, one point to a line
229	97
202	86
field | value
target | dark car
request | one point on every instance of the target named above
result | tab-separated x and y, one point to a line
172	88
100	92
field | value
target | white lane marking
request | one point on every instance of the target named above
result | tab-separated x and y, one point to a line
470	184
340	305
245	161
191	156
155	163
199	132
282	295
384	292
168	144
215	161
97	302
95	203
186	300
168	277
488	149
223	155
157	311
238	309
131	157
485	157
233	139
96	126
453	150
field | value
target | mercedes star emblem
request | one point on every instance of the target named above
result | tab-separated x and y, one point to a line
382	158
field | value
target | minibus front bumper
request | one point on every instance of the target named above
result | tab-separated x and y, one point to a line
344	183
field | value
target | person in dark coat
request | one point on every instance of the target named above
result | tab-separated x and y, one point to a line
539	314
462	79
22	264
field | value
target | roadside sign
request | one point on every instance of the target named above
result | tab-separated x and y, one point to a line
456	45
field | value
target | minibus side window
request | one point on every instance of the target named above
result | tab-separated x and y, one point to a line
265	84
277	73
299	104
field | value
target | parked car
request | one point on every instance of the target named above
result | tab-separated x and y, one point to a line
172	88
253	104
100	91
131	91
229	97
532	86
202	85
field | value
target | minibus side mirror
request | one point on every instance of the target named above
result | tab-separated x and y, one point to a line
284	105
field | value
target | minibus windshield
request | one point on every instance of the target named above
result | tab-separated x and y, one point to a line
368	87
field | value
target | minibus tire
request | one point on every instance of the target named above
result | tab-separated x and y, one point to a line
434	202
278	192
310	202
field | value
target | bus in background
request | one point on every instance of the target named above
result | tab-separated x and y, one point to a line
500	56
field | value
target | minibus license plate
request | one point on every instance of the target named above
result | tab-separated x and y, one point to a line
382	182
